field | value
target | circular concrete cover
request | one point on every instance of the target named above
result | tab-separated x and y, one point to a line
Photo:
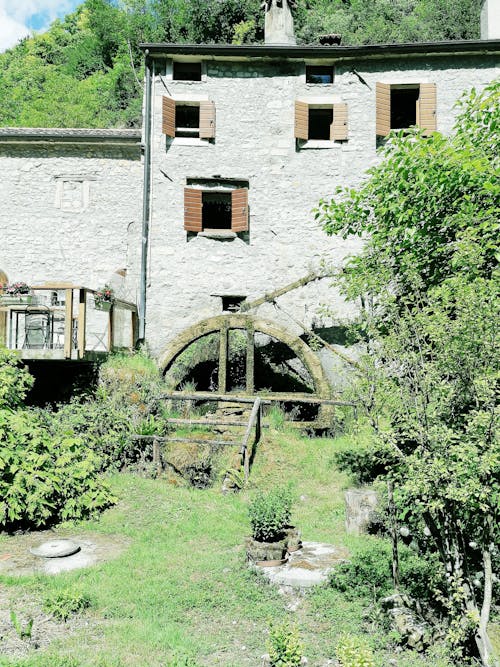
55	549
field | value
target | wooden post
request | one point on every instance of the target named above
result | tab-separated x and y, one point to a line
156	452
110	327
3	328
82	321
133	327
223	344
68	324
250	368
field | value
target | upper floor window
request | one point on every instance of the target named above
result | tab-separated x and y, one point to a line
321	121
186	71
401	106
213	209
319	73
188	119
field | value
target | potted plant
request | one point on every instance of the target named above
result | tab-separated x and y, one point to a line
269	517
104	298
16	293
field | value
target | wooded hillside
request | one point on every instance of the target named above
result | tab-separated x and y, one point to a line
86	70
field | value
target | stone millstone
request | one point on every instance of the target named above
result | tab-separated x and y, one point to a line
55	549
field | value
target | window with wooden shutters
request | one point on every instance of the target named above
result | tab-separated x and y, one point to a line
193	210
239	212
321	121
399	106
188	120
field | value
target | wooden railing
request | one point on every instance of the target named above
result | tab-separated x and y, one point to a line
63	322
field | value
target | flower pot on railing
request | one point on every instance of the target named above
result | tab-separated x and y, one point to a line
104	298
103	305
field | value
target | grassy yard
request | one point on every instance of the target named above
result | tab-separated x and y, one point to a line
182	588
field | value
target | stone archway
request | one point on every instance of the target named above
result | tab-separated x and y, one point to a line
222	324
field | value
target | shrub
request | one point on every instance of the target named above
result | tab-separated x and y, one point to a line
270	513
352	653
284	645
15	381
62	604
365	464
45	478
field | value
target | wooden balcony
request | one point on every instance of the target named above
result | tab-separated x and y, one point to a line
62	322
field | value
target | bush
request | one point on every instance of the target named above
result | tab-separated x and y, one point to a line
270	514
352	653
365	464
62	604
15	381
369	573
45	478
284	645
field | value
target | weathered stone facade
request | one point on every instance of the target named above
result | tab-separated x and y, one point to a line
72	200
254	143
68	199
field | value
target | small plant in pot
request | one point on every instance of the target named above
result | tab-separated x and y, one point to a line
104	298
269	517
18	292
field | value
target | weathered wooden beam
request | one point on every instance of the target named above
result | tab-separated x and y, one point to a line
223	347
271	296
200	441
267	400
244	445
206	422
82	321
250	360
68	324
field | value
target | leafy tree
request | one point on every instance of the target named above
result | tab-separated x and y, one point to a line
429	279
15	380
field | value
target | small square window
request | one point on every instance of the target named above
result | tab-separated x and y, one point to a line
187	71
320	121
232	304
319	74
187	120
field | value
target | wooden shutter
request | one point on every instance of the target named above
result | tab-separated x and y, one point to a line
302	120
426	108
239	210
193	210
383	106
207	120
168	116
338	129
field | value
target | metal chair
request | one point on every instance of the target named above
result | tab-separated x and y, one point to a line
37	328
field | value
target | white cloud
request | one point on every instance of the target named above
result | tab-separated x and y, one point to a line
15	17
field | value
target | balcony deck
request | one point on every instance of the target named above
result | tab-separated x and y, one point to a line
61	321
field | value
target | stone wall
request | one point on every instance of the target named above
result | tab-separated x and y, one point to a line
65	211
255	142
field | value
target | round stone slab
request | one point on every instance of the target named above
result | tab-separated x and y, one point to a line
55	549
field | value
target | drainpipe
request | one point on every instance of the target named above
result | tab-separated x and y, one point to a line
145	202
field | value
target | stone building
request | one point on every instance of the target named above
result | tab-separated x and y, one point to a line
239	144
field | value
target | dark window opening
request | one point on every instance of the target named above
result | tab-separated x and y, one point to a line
187	71
319	74
403	107
320	121
216	210
187	121
232	304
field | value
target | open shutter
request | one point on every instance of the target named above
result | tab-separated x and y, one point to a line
383	105
426	108
338	129
302	120
239	210
207	120
193	210
168	116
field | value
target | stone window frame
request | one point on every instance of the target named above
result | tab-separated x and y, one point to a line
84	180
187	99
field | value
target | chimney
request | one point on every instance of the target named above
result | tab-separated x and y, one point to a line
490	19
278	26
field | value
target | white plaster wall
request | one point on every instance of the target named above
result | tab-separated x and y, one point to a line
85	244
255	141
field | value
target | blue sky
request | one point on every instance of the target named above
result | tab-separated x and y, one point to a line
19	18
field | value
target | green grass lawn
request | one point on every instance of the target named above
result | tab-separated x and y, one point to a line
182	587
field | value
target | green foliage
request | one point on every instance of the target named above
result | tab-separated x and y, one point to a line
15	380
270	513
352	653
284	645
365	463
45	478
368	574
64	603
244	32
23	632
